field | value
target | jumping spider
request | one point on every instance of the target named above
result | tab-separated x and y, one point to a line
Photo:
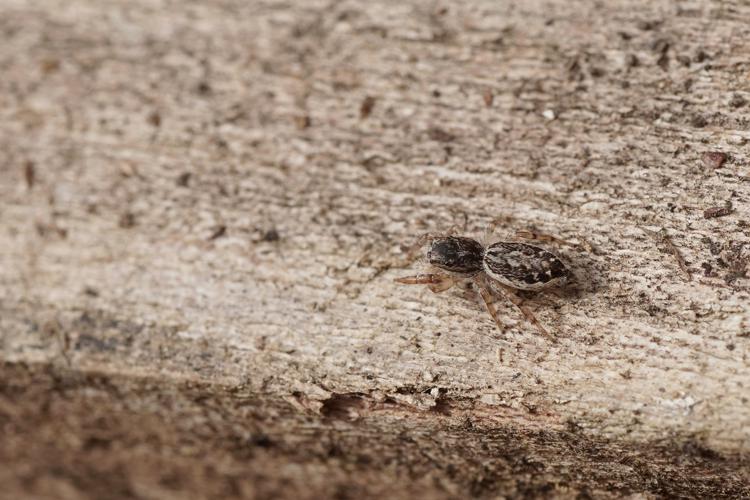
504	266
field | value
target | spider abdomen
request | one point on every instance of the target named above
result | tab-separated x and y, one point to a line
524	267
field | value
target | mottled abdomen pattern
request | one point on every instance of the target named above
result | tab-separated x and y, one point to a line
523	266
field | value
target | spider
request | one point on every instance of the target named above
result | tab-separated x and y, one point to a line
504	266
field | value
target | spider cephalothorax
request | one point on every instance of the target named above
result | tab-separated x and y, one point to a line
456	254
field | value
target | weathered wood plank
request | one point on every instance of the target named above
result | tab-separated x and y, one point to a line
198	192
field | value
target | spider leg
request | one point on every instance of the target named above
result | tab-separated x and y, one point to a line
484	291
533	235
412	253
518	302
435	282
444	285
491	227
455	229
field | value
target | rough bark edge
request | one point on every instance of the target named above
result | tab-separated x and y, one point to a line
67	432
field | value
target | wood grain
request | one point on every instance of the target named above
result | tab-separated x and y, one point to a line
221	193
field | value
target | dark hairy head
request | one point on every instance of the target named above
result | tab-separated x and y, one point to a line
456	254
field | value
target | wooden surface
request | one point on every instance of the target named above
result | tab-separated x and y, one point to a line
203	206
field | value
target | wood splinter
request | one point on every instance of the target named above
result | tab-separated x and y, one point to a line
662	237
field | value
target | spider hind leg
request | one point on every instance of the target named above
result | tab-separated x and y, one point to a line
484	291
527	234
528	314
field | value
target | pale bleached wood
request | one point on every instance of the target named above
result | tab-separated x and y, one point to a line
115	260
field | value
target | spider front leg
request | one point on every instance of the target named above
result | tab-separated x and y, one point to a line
435	282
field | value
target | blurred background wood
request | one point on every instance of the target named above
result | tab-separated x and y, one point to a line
204	204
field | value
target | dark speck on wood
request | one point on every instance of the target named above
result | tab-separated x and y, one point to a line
714	212
714	159
438	134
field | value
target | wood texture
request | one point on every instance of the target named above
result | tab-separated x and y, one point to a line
208	202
